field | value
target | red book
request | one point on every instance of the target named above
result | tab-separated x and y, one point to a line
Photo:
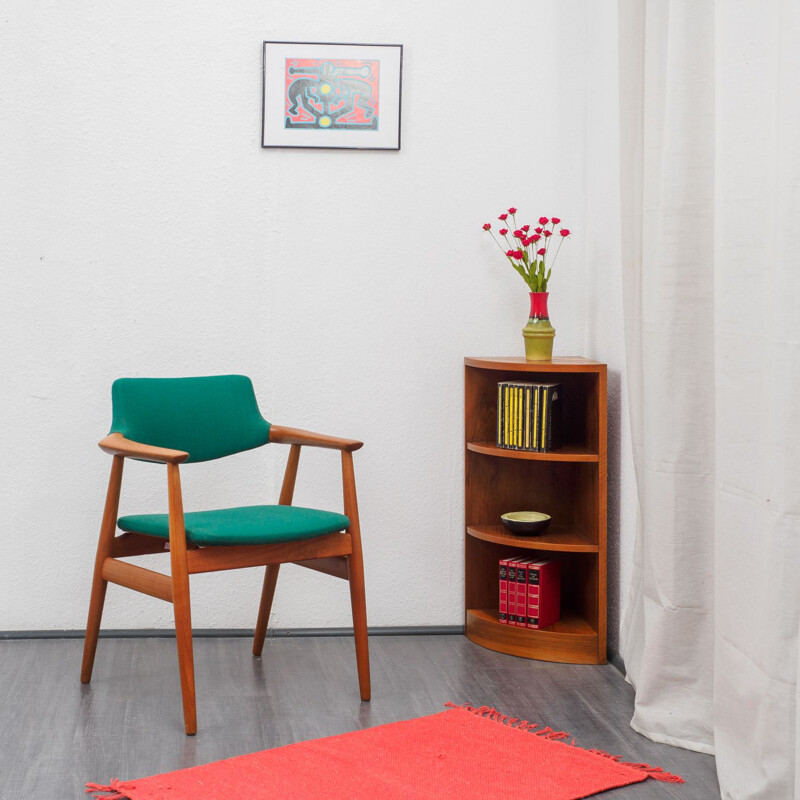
503	616
520	617
513	588
544	593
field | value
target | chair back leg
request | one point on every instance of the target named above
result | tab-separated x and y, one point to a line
355	569
99	584
267	593
180	599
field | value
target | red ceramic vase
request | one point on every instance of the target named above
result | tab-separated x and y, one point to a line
539	333
539	305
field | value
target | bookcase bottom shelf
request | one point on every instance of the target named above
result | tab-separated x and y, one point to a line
570	641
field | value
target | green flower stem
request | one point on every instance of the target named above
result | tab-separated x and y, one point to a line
531	267
498	243
558	250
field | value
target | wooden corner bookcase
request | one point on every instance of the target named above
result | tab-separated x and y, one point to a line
568	483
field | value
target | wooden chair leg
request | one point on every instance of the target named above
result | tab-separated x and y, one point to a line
180	599
99	584
355	567
359	605
267	593
93	627
271	575
183	636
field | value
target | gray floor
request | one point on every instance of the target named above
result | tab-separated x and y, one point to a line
56	734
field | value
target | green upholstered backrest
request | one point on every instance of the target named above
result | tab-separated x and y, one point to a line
206	417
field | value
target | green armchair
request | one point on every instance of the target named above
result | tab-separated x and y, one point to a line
176	421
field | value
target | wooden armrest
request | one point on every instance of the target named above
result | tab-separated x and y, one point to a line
117	445
283	435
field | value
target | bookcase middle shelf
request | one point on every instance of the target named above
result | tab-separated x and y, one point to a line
565	453
554	538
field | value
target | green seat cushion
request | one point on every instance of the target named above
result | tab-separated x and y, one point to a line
246	525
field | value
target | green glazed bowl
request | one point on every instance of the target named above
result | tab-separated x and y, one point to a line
526	523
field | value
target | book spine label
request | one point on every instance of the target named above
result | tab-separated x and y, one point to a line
507	415
522	593
550	590
551	414
535	418
516	417
544	594
510	442
543	432
527	417
512	592
532	620
499	414
503	615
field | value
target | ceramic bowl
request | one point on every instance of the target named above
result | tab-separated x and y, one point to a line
525	523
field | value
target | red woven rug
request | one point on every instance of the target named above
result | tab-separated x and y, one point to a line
465	753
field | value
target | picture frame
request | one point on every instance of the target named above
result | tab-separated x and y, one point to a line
331	95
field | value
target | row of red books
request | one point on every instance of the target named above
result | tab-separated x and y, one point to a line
530	592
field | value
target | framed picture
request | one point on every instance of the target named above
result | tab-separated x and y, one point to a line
331	95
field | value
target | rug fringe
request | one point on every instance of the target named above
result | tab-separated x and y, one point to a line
511	722
117	787
657	773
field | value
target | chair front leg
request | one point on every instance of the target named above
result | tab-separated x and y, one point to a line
99	584
355	565
271	574
180	598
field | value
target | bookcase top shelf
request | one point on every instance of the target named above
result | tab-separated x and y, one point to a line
565	453
520	364
554	538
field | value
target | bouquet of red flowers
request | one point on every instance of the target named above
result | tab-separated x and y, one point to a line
528	250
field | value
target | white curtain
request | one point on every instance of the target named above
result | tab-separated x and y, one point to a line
710	163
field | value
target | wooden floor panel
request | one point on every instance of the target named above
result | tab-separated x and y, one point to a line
57	733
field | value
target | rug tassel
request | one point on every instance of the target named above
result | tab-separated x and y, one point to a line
115	786
511	722
656	773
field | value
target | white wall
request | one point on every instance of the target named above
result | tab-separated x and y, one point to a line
146	232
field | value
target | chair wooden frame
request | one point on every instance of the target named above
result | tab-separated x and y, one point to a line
337	554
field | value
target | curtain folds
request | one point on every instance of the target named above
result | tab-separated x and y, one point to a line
710	176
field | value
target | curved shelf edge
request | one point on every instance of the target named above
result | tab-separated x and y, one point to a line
570	641
564	541
521	364
567	453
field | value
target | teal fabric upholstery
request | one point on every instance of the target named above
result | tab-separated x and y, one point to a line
208	417
245	525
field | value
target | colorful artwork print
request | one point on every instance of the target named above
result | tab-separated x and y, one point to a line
332	94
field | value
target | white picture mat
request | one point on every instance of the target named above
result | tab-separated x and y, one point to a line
274	133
